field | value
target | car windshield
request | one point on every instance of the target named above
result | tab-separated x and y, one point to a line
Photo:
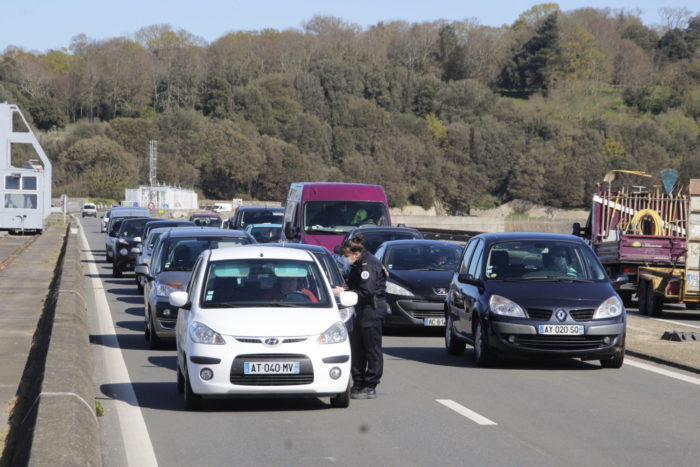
264	283
372	240
340	217
533	260
266	233
183	251
261	216
431	257
133	228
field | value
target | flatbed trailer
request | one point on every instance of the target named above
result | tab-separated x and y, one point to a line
680	284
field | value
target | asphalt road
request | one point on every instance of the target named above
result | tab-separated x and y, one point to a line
431	409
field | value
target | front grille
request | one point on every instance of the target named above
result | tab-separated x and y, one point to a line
305	376
540	315
259	340
420	309
560	342
582	315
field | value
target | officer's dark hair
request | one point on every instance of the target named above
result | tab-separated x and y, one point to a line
353	245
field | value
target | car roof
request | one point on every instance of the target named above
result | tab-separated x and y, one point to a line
299	246
512	236
267	224
125	210
204	214
261	208
205	232
417	241
259	251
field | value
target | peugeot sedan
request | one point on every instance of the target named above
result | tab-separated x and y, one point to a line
534	294
237	335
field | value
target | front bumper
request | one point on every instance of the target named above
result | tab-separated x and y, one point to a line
315	364
601	338
165	319
125	262
415	312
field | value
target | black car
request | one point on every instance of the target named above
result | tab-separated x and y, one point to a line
127	245
372	237
534	294
419	276
246	215
170	269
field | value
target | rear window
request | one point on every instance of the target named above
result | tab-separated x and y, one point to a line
183	252
263	216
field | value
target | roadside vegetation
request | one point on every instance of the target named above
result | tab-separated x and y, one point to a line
454	113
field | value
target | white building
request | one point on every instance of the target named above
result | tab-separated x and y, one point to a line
161	197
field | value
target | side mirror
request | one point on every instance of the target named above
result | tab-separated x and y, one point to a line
289	231
178	299
469	279
141	269
576	229
348	298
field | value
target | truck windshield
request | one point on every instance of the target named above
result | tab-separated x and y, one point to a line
340	217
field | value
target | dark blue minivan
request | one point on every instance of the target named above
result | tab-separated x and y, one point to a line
534	294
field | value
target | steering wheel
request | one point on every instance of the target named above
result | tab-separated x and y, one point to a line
296	296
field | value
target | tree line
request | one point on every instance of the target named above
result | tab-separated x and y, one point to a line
451	113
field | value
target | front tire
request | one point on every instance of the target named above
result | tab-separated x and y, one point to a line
342	400
154	341
116	271
483	355
642	298
615	361
453	344
655	302
192	401
180	380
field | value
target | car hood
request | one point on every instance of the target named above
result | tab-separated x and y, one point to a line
422	282
268	321
531	294
175	277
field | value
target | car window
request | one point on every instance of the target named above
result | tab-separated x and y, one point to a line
464	265
183	251
475	262
372	240
541	260
193	277
415	256
262	216
264	282
133	228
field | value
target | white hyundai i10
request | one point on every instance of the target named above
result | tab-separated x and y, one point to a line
259	321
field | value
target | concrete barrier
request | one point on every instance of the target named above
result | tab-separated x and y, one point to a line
457	223
67	431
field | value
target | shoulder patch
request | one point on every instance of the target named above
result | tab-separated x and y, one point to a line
365	275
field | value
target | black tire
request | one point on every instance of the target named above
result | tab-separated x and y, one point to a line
192	401
655	302
342	400
692	306
108	258
154	341
642	298
626	297
180	380
483	355
453	344
616	360
139	287
116	271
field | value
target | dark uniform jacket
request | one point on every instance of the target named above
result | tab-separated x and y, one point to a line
367	277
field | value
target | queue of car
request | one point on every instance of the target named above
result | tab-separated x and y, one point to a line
217	295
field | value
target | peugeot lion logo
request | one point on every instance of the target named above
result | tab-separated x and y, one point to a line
561	315
440	291
271	341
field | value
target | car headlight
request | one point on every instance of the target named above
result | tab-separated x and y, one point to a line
610	308
334	334
395	289
203	334
504	307
123	242
164	289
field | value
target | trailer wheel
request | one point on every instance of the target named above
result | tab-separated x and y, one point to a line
691	305
655	303
642	297
626	297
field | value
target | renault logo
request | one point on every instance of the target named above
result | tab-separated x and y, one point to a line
271	341
561	315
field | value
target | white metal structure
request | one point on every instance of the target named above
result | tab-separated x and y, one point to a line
162	197
25	192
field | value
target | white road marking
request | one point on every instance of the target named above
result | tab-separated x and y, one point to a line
137	442
462	410
662	371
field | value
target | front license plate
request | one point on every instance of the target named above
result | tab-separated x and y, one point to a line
270	368
561	329
433	321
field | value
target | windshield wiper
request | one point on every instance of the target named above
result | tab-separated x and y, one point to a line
555	279
178	269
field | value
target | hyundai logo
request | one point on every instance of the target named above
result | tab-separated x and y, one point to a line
561	315
271	341
440	291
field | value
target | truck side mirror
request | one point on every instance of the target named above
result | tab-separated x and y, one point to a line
576	229
290	231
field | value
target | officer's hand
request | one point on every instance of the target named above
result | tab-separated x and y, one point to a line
338	290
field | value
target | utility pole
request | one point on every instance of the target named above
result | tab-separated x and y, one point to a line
152	168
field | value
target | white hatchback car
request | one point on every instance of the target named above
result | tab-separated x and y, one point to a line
259	321
89	210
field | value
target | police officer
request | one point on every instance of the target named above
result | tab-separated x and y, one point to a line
367	277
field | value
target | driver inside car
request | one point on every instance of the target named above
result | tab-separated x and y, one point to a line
288	286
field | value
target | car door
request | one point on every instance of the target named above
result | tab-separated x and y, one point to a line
471	292
463	294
